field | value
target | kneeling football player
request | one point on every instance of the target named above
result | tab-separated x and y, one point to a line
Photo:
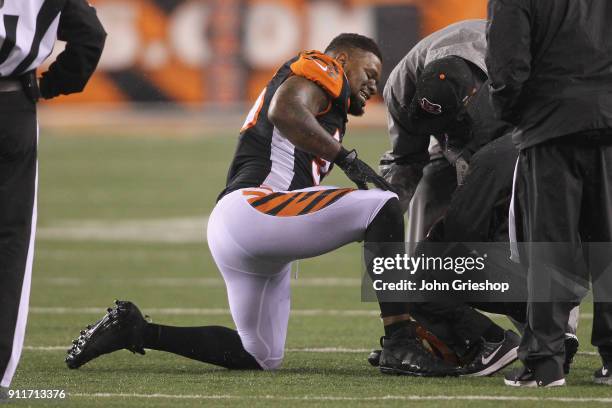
273	212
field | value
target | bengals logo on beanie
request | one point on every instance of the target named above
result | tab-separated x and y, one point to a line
430	107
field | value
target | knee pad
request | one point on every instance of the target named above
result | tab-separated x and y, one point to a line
271	364
265	359
269	356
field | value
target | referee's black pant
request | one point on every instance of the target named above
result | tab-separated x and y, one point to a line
563	205
18	178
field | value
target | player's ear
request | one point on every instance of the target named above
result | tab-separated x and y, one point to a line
342	58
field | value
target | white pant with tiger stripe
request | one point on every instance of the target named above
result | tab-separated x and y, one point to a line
255	234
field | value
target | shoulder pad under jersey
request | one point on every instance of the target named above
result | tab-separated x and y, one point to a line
321	69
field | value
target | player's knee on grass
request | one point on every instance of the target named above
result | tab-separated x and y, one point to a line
271	365
268	354
269	357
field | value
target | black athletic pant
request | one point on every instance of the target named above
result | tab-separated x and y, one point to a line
477	211
18	167
563	196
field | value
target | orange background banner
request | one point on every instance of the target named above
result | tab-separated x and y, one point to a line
222	52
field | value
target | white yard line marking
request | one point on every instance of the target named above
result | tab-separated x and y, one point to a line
170	230
218	311
343	398
323	350
46	348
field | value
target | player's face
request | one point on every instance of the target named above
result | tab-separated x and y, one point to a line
362	70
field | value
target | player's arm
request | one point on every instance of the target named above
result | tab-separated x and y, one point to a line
84	35
508	53
293	111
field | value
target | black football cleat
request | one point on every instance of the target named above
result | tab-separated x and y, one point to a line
603	375
571	348
492	357
120	328
404	354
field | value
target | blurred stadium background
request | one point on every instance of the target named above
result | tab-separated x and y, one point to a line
197	63
130	169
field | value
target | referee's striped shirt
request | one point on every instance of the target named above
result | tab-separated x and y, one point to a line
28	30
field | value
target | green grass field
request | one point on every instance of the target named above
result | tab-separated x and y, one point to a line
131	183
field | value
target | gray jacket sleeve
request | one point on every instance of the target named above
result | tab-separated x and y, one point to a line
403	166
407	146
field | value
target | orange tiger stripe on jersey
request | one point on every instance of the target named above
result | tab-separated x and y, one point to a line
294	208
326	198
294	204
331	197
290	209
322	69
271	204
256	193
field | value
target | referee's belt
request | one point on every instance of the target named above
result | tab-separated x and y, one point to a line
10	84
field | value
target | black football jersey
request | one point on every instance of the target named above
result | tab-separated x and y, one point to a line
264	156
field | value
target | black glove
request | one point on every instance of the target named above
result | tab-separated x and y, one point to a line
359	172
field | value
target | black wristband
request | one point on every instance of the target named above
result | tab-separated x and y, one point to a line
345	157
341	155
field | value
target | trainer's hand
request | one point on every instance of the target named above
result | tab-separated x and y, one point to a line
359	172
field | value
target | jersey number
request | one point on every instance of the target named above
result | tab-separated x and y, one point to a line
253	115
321	167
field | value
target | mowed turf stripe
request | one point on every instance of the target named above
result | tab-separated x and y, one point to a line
340	350
219	311
345	398
166	230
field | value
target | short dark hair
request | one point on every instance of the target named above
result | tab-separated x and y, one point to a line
352	40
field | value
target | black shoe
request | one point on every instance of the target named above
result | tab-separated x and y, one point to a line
603	375
524	377
571	348
120	328
404	354
492	357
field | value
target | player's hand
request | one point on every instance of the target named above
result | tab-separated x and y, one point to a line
359	172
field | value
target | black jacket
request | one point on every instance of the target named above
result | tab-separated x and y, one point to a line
550	64
84	35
